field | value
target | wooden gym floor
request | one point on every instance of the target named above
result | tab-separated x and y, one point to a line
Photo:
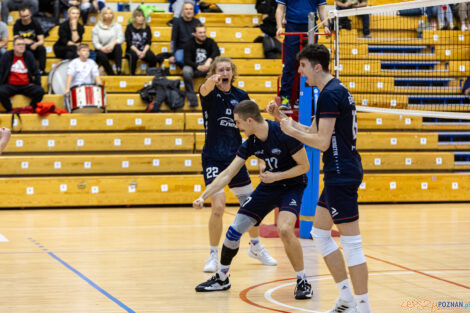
150	260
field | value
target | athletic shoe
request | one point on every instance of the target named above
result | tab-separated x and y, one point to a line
214	284
303	290
259	252
285	104
342	306
211	264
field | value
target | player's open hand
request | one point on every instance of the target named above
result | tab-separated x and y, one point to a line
198	203
268	177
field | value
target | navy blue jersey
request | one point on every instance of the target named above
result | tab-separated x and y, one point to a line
341	162
297	10
276	152
222	137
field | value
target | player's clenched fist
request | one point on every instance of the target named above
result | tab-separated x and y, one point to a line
198	203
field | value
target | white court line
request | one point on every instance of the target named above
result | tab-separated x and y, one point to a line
3	238
267	294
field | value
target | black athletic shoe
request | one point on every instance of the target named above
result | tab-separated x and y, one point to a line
214	284
303	290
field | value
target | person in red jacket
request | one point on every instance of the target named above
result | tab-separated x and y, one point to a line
19	74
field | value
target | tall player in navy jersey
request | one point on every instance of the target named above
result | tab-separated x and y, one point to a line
219	97
283	181
334	131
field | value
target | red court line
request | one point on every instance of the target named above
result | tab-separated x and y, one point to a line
419	272
244	293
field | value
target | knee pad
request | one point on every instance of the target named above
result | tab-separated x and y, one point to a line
240	225
323	241
352	247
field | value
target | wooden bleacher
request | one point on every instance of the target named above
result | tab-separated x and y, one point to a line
128	157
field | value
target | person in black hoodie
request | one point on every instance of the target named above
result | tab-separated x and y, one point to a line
19	74
70	36
199	53
138	41
181	33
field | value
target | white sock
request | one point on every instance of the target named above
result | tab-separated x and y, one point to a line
301	275
363	303
345	292
215	250
223	271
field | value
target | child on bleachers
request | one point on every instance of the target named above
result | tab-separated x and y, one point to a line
107	38
138	40
82	70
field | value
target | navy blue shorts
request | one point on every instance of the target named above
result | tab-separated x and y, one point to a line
213	168
265	198
341	201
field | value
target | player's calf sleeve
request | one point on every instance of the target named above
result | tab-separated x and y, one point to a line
323	241
352	247
227	255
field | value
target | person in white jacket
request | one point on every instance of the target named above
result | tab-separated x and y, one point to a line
107	37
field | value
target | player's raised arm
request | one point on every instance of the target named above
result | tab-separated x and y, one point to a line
222	180
320	140
209	84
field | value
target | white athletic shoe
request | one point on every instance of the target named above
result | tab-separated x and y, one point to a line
211	264
260	253
342	306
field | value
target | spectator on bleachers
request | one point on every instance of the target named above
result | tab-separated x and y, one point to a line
272	47
464	15
199	53
28	28
441	13
181	33
82	70
70	36
349	4
176	6
50	6
296	16
466	87
138	40
15	5
19	74
86	7
3	38
107	39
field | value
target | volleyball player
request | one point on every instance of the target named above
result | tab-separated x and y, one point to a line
334	131
282	185
219	97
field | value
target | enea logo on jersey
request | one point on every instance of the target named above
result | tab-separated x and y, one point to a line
226	122
259	152
276	151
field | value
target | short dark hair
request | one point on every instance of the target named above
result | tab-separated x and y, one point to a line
16	38
198	25
24	8
316	54
248	108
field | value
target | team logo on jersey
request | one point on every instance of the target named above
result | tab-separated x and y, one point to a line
293	202
233	102
226	122
276	151
228	111
333	212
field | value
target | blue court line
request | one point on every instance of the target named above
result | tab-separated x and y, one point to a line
89	281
